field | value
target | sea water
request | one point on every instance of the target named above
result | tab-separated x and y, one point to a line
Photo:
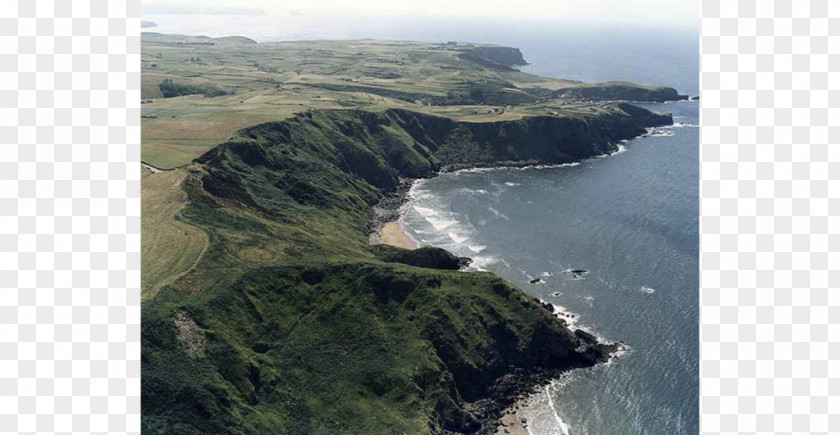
630	219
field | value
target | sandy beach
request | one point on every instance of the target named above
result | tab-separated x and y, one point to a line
392	233
511	422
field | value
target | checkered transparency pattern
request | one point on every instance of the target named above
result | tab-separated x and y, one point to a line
69	216
770	224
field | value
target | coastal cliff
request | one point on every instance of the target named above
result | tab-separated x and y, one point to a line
491	56
292	323
621	91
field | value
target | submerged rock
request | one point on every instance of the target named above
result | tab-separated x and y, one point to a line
576	273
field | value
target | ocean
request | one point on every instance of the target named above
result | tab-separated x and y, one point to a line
629	219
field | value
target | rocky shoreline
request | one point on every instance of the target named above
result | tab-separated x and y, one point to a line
388	208
513	388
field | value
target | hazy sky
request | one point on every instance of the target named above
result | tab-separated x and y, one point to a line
268	19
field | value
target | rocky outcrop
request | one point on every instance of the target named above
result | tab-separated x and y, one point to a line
428	256
495	56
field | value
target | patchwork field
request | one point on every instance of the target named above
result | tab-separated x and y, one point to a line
198	92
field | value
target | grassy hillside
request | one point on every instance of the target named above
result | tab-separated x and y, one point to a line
290	322
170	247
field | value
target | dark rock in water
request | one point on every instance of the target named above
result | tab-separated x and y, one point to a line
557	294
697	98
428	257
548	306
583	335
535	281
577	273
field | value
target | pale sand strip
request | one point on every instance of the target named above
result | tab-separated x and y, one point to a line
511	422
393	234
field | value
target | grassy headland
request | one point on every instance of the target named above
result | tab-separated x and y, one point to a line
286	320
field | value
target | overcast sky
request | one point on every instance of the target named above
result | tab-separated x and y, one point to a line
267	19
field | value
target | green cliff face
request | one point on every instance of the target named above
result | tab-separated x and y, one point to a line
621	91
495	57
293	324
507	56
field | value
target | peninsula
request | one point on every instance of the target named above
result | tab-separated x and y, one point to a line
266	309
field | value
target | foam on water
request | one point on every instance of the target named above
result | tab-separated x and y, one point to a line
561	425
540	410
497	213
476	248
659	132
507	168
425	211
457	238
621	149
567	316
480	263
440	224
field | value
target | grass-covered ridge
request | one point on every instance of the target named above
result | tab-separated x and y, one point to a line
292	323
